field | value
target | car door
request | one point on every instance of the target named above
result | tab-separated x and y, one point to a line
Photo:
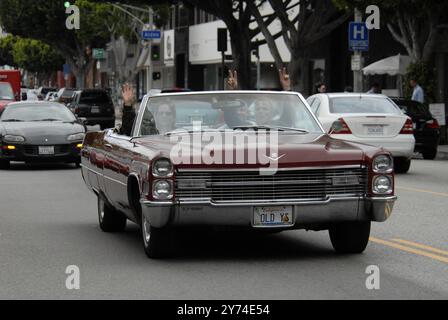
116	168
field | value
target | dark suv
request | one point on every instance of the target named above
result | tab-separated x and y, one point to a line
96	106
426	128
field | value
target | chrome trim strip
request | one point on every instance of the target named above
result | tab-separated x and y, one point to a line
388	198
262	183
206	170
156	203
116	181
104	176
235	203
91	170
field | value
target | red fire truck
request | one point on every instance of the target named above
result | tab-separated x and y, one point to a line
10	83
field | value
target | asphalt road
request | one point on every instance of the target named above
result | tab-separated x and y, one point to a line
48	221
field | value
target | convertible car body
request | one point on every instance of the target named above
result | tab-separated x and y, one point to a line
257	160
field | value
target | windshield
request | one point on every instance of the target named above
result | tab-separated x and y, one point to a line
362	104
88	97
227	112
41	112
6	92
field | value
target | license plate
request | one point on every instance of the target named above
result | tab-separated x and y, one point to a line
46	151
95	109
273	216
375	130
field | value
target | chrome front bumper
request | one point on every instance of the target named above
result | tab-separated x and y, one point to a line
206	213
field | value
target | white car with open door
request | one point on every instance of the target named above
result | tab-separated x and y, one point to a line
367	118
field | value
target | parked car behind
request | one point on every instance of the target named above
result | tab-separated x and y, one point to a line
96	106
368	118
65	95
426	127
43	91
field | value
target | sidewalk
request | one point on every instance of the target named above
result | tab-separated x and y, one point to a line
443	152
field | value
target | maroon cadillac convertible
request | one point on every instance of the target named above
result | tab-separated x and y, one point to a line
253	160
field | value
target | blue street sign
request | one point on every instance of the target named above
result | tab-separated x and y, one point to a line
358	36
151	34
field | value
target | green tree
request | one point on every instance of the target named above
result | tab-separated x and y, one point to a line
36	56
46	22
6	47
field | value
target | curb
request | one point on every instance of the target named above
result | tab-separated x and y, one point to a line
442	155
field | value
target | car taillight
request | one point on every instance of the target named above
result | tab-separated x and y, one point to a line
408	127
432	124
340	127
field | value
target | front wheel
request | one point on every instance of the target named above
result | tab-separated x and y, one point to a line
350	237
402	165
109	219
157	243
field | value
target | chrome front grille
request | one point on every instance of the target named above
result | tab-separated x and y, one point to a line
312	184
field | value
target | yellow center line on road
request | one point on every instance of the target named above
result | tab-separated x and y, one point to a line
410	250
421	246
423	191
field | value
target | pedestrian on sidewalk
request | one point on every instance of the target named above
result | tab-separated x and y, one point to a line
418	94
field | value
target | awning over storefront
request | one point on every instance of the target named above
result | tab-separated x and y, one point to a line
392	66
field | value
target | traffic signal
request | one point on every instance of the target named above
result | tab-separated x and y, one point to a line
155	52
222	40
156	76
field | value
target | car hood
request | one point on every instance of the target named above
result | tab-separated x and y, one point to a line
42	132
291	150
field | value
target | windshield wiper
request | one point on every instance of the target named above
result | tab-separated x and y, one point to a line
190	131
43	120
271	128
12	120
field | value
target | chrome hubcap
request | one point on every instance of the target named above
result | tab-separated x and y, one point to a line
101	210
146	230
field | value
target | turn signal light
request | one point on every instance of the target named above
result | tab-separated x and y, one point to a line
408	127
11	147
79	146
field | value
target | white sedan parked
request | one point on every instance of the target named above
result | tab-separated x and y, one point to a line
367	118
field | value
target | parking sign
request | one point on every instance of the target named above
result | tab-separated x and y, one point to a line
358	36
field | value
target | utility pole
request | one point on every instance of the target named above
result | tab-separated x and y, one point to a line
357	74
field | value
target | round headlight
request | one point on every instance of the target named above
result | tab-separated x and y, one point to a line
383	163
13	139
163	190
162	168
382	185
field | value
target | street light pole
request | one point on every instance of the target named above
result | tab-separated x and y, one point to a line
357	74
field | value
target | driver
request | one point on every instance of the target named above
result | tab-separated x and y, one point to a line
165	116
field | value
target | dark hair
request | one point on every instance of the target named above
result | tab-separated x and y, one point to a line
375	85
